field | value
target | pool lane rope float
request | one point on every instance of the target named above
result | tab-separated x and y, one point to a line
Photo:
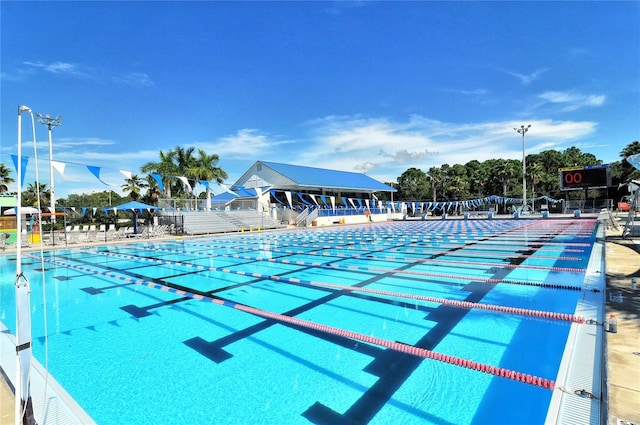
342	267
316	243
396	346
541	314
424	260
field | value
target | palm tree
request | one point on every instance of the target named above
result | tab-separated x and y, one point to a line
184	161
5	180
503	170
205	168
134	185
165	167
30	195
536	173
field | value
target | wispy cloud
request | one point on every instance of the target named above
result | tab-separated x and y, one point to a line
61	68
138	79
245	143
380	147
572	101
76	70
527	79
385	148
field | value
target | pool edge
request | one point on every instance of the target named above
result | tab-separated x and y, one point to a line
582	368
61	408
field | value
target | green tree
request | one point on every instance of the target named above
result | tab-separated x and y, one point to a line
166	168
134	186
5	178
30	195
535	173
458	182
413	185
477	174
205	167
629	172
437	179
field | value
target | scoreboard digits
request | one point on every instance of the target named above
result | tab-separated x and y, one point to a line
589	177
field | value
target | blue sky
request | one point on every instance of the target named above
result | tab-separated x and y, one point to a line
372	87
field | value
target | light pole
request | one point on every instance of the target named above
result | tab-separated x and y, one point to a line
50	123
523	130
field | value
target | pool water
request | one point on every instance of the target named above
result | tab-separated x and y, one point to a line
128	352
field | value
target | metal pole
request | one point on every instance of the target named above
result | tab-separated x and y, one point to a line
23	405
523	130
50	123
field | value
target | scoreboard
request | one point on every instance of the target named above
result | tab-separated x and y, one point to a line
588	177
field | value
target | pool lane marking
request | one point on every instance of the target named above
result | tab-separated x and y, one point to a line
445	301
396	346
392	258
377	249
448	242
352	268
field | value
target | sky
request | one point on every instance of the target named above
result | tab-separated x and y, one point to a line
370	87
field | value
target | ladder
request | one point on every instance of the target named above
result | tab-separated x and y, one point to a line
606	217
629	227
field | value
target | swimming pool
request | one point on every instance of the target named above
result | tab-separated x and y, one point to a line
348	324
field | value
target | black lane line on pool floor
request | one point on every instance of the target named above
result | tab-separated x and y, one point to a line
394	368
211	349
214	349
384	388
391	367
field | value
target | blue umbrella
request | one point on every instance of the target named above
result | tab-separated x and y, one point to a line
136	207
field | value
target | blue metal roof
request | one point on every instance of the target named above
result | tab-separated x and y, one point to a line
321	177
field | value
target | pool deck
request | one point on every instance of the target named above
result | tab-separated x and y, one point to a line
623	347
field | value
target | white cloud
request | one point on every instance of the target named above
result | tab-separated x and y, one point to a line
380	147
246	143
62	68
385	149
572	101
527	79
138	79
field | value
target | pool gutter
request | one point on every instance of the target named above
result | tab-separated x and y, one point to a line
52	405
579	394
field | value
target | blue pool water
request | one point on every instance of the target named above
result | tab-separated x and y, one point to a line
130	353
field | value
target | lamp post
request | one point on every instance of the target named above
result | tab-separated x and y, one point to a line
523	130
50	123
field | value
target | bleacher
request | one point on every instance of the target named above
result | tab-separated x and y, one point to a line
217	221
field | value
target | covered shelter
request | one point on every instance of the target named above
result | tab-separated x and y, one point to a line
135	207
272	182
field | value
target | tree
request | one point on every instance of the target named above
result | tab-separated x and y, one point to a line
629	172
535	173
30	195
134	186
437	179
477	175
205	168
166	168
413	185
5	179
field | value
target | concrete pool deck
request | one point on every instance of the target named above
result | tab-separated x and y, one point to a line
623	347
623	371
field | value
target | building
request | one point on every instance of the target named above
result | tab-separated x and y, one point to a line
269	183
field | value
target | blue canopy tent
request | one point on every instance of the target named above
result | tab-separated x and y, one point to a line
135	207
